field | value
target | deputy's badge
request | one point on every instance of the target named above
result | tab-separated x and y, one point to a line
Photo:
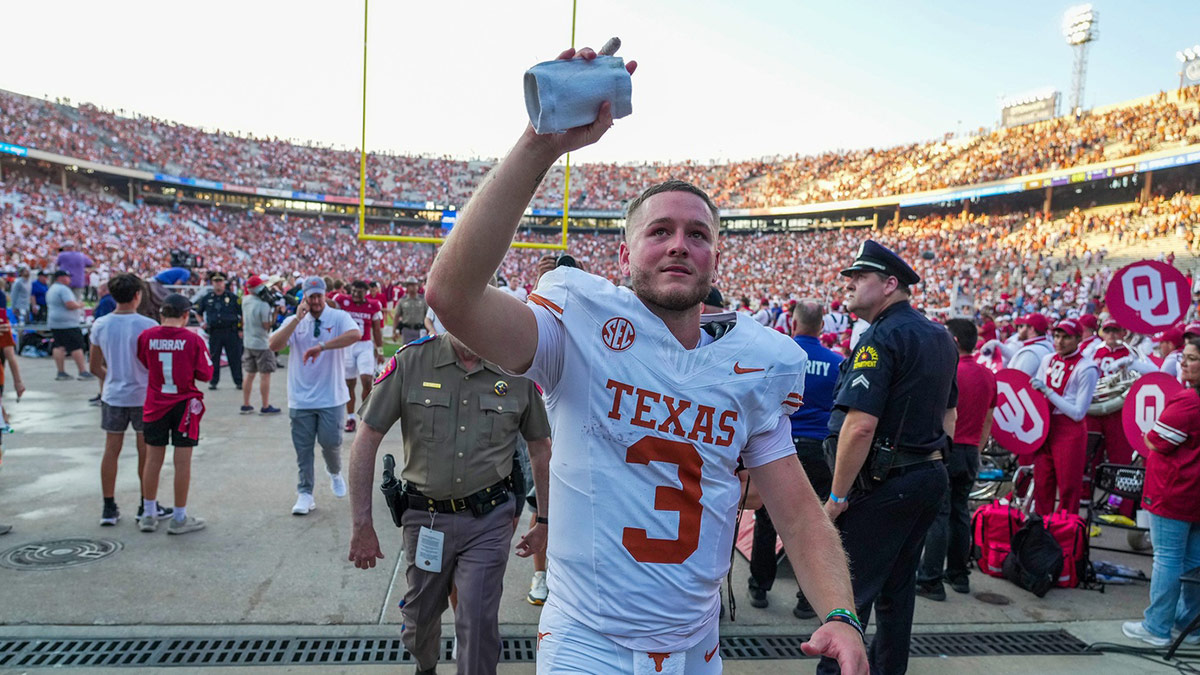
388	369
501	388
866	357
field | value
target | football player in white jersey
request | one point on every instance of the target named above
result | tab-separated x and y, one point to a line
654	413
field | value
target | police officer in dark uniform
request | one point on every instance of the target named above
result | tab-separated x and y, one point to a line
221	317
894	414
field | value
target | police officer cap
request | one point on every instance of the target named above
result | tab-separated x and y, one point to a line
875	257
217	276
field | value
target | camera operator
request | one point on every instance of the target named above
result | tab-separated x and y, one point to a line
258	319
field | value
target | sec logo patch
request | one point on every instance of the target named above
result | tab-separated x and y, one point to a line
618	334
866	357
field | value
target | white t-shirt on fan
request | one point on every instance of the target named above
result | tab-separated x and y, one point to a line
116	335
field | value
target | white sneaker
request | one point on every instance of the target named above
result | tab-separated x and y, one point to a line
1135	630
538	592
337	484
1193	638
304	504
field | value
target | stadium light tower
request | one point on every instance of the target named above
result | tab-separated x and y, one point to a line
1189	58
1080	29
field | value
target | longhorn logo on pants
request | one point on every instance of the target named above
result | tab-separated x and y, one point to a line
1148	404
1145	291
1015	410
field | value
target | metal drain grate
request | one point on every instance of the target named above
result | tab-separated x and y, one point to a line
59	554
301	651
1027	643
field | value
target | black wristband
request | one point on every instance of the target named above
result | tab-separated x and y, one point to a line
542	521
842	618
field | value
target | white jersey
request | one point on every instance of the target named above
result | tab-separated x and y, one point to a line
647	436
834	322
1030	355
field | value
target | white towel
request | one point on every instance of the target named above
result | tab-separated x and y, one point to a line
561	95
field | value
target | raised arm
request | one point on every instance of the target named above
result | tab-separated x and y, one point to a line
458	289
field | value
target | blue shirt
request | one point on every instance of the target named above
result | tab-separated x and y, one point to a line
812	419
173	276
38	291
106	306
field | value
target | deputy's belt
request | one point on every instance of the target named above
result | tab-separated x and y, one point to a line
415	326
480	503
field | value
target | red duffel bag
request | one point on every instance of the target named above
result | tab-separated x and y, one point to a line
992	528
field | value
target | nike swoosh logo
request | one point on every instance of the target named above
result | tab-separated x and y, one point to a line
742	371
708	655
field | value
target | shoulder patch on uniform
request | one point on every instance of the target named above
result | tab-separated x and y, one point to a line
865	357
388	369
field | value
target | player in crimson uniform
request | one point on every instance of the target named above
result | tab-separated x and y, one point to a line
643	399
177	359
1068	379
362	356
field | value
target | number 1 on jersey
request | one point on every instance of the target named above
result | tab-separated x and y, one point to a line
685	500
167	359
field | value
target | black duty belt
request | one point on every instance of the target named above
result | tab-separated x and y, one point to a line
415	326
481	503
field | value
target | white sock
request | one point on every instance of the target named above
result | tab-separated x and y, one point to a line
352	416
150	507
180	514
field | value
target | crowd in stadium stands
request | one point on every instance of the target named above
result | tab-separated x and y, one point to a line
150	144
989	258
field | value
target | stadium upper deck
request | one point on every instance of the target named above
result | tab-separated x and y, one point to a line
167	152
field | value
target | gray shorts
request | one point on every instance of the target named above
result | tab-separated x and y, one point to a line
115	419
258	361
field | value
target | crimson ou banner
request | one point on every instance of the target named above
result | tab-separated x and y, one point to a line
1022	416
1144	403
1148	296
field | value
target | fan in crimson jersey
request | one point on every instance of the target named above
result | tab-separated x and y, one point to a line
361	357
177	358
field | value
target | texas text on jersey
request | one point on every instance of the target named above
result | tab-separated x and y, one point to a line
647	435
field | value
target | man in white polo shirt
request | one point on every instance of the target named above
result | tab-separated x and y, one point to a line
317	390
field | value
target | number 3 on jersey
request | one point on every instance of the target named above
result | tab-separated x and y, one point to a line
685	500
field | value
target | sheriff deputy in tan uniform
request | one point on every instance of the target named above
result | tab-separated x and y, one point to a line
410	313
460	417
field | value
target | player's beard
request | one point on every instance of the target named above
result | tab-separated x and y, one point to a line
680	300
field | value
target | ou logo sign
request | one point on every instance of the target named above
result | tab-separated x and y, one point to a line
1148	404
1148	296
1021	413
1144	403
618	334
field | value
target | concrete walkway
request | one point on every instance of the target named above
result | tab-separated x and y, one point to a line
259	570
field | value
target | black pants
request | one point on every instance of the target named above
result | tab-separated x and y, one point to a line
949	538
763	560
883	531
227	339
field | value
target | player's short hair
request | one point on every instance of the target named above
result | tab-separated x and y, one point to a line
359	283
965	332
673	185
124	287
